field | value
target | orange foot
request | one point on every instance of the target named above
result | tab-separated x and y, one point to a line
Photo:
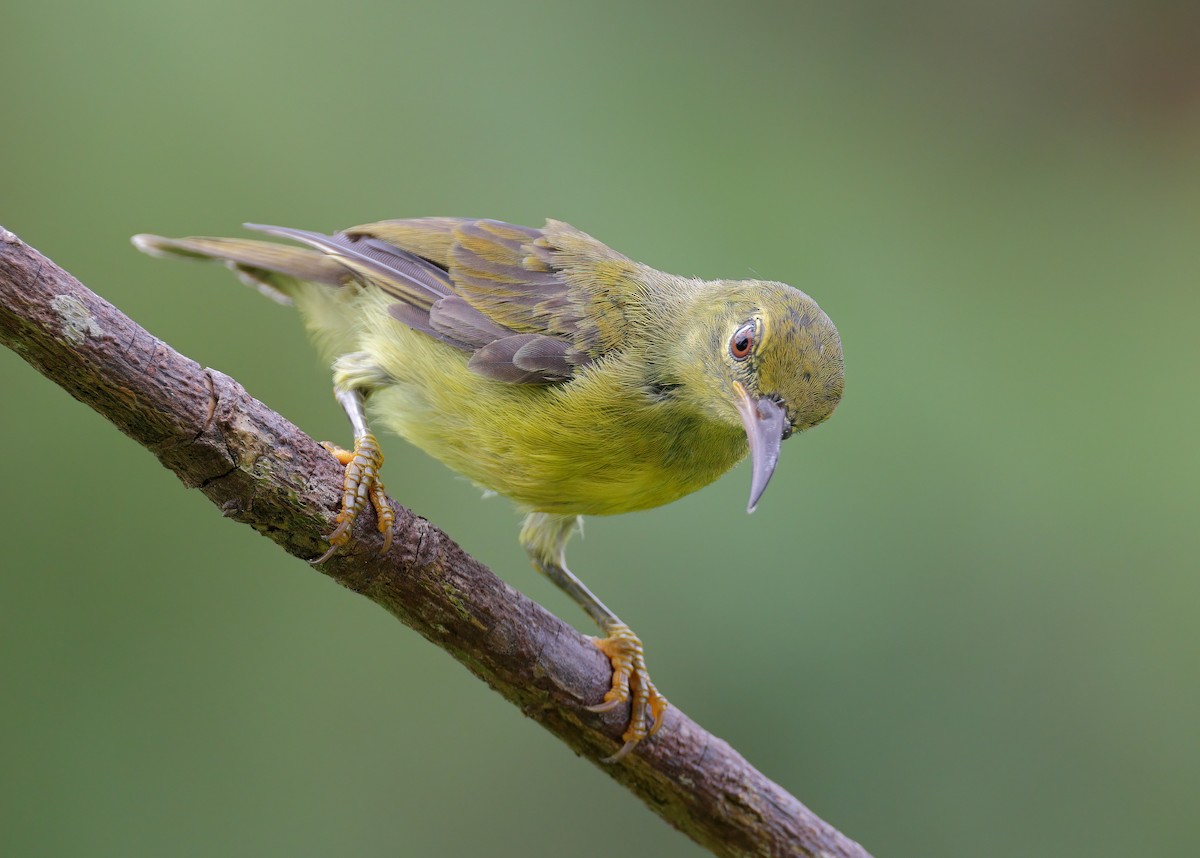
362	484
630	678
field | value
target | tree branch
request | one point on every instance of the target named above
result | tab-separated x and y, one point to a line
261	470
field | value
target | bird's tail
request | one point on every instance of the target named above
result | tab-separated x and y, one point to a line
276	270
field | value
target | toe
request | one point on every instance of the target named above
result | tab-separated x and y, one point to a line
360	486
630	682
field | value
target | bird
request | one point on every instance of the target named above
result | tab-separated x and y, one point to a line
548	368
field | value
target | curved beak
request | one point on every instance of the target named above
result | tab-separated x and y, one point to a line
765	421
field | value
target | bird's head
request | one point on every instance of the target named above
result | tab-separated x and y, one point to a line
772	364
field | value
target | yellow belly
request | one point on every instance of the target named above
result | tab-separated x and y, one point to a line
567	449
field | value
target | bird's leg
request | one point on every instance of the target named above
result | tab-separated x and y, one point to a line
544	537
353	377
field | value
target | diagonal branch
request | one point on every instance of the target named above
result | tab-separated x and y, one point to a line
261	470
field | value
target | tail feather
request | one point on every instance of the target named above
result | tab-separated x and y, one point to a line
257	262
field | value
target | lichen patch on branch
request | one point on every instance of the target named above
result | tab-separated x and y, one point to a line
77	324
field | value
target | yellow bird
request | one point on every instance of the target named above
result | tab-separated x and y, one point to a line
548	368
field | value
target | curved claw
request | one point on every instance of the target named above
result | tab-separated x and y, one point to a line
607	706
332	551
630	683
620	755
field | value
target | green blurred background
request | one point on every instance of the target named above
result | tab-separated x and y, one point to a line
963	621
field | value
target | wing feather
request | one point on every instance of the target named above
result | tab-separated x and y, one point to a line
455	317
531	305
522	359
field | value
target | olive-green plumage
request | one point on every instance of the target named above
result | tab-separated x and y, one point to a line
547	367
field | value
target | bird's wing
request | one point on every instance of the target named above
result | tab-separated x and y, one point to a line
531	305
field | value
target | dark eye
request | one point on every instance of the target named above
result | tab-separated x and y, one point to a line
742	342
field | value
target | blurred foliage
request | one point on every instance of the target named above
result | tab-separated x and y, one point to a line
963	621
